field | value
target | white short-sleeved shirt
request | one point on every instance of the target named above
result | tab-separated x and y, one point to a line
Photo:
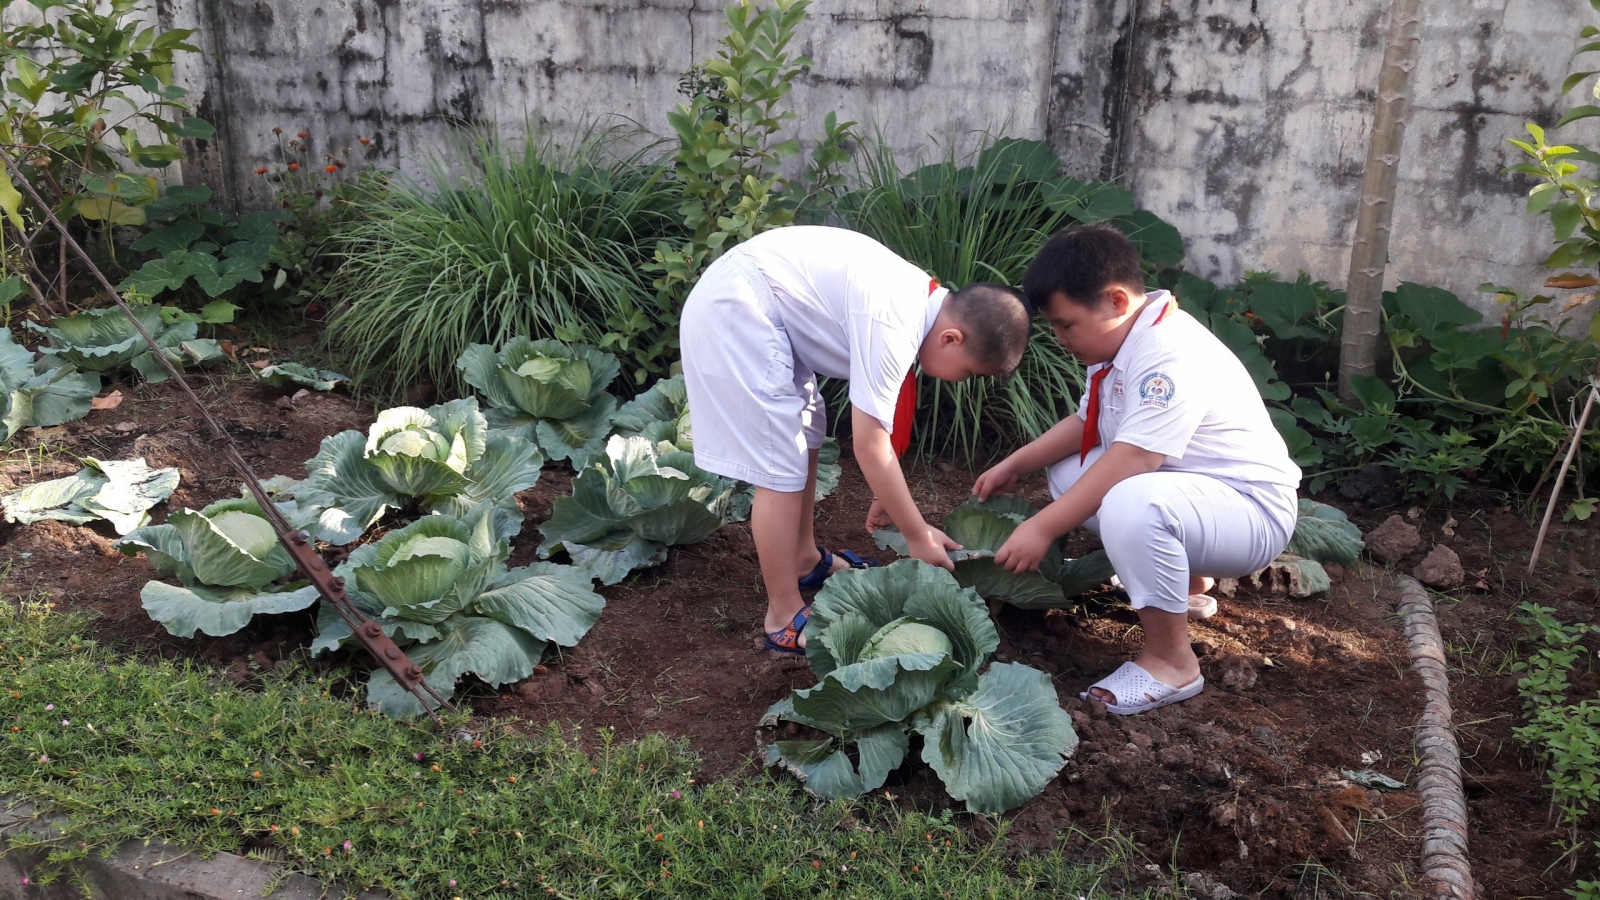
1175	389
852	308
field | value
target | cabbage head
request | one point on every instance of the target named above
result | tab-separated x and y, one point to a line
104	340
44	392
630	506
982	528
551	393
443	459
902	648
440	587
229	564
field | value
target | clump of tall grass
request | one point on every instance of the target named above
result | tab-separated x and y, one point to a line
982	218
543	239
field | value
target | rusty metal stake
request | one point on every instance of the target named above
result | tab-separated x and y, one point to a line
330	586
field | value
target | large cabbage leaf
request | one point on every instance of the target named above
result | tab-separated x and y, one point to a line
45	392
119	491
230	563
1326	535
440	586
443	458
903	646
982	528
104	340
293	374
627	508
551	393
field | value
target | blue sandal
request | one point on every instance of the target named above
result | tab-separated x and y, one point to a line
824	567
787	639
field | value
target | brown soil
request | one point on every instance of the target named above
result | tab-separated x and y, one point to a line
1242	782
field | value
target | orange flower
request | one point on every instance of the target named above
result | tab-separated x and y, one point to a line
294	830
364	141
331	169
816	864
215	811
511	778
256	774
660	837
262	171
274	829
303	135
294	167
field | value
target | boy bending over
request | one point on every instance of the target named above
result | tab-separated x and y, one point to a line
771	315
1171	457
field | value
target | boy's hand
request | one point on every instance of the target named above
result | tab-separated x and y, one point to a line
933	546
998	479
1025	549
877	516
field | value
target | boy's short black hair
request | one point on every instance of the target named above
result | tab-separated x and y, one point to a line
996	320
1080	263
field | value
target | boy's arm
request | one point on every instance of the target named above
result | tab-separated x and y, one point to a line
881	468
1062	440
1027	546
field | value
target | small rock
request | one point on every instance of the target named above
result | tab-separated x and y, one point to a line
1441	569
1203	884
1140	740
1236	673
1284	623
1225	813
1263	734
126	427
1156	734
1176	756
1393	540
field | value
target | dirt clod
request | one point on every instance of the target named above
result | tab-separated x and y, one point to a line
1393	540
1236	673
1176	756
1203	884
1441	569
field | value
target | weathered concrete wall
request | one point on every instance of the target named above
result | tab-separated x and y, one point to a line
1244	122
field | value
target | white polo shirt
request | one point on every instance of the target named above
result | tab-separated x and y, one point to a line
1175	389
852	308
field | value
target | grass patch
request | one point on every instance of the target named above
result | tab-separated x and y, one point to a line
127	749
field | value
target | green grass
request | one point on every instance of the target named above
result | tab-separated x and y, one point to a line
544	240
127	749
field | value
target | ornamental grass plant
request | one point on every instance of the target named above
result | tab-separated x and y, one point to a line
534	238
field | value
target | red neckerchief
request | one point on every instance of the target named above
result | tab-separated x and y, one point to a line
1091	416
905	407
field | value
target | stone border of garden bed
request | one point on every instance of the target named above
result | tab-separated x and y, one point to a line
153	870
1444	805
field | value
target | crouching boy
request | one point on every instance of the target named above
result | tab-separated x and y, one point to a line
794	303
1171	457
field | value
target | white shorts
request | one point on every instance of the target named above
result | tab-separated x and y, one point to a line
755	415
1161	527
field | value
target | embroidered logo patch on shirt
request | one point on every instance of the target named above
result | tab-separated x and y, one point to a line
1156	390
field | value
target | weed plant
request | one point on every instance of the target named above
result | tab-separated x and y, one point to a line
546	240
127	750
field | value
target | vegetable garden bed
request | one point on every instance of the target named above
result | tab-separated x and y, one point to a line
1243	783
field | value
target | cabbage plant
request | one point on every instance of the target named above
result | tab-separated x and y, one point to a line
44	392
1326	535
120	491
662	415
551	393
440	587
102	340
982	528
901	649
630	506
443	459
230	565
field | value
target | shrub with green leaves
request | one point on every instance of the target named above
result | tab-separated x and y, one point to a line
440	586
899	649
120	491
550	393
42	392
628	508
982	528
105	340
440	459
193	244
230	563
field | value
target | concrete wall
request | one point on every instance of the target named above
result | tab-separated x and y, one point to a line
1244	122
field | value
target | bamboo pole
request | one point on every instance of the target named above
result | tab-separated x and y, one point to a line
1555	492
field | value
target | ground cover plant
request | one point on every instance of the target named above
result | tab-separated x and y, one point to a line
125	749
899	649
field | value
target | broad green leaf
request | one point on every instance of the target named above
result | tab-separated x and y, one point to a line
114	212
1325	534
1375	396
161	545
291	374
999	747
334	632
666	401
1014	160
1435	311
217	611
875	692
352	492
580	438
119	491
11	201
218	549
553	603
495	652
824	767
614	557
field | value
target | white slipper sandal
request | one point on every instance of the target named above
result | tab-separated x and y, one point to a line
1131	680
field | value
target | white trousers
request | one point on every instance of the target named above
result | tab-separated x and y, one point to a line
755	414
1161	527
